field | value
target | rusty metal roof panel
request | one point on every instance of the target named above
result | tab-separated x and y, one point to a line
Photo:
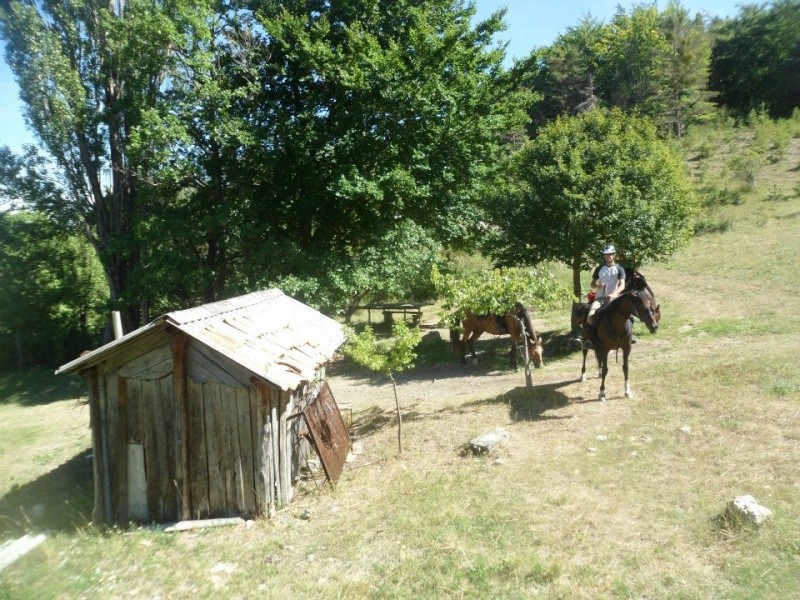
274	336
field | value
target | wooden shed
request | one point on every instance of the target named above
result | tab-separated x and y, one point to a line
192	415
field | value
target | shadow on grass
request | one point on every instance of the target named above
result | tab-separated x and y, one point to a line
537	403
38	387
60	500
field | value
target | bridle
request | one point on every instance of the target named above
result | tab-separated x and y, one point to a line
639	305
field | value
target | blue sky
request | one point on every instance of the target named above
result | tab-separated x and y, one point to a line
531	24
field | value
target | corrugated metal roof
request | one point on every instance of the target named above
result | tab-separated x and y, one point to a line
267	332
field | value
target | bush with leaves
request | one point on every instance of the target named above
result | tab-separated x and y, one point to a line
386	357
496	291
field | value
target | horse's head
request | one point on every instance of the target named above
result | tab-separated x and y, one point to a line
536	351
647	309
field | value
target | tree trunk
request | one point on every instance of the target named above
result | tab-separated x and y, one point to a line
399	416
576	277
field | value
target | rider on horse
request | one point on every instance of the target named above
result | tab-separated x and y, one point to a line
609	281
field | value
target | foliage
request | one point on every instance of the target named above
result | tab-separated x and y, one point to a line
384	356
86	72
645	62
398	266
246	144
52	301
496	291
387	357
585	181
755	61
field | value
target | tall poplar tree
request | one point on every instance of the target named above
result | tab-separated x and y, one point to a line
86	70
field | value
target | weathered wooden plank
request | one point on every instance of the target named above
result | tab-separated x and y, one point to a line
216	485
137	484
198	457
98	466
154	449
206	365
274	435
284	453
247	453
229	440
166	395
146	365
180	344
126	353
135	435
265	489
112	443
121	435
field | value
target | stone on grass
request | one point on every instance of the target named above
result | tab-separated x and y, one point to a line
486	442
745	508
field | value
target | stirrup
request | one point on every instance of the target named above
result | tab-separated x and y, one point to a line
587	345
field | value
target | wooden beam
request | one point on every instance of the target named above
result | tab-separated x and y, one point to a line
179	343
97	452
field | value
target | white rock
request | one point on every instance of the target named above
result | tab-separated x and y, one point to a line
746	508
486	441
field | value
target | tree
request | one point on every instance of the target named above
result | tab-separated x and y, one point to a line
588	180
567	74
52	300
387	358
373	112
496	291
755	61
631	56
686	94
86	70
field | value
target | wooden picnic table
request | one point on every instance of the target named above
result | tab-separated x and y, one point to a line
407	309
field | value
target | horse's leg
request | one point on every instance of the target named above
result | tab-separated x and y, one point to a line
626	351
583	367
476	333
602	359
513	355
462	347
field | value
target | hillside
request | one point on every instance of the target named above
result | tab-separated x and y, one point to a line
585	500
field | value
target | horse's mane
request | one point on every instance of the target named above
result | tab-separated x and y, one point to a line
522	313
637	282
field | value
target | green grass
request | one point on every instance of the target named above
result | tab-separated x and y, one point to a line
586	500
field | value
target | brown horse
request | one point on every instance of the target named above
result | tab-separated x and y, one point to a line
613	327
516	323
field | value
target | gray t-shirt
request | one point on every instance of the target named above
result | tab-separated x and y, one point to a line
609	275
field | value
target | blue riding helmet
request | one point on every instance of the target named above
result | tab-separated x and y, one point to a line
609	249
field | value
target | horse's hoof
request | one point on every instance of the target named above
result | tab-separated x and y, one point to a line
602	397
629	394
583	377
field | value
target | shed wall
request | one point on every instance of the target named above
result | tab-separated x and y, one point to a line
243	451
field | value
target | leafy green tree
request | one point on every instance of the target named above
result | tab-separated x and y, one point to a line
567	73
592	179
52	300
388	357
375	112
755	61
397	267
686	97
496	291
86	70
631	55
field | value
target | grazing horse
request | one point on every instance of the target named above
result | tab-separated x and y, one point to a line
613	328
516	323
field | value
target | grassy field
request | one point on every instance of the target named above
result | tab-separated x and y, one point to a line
620	499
